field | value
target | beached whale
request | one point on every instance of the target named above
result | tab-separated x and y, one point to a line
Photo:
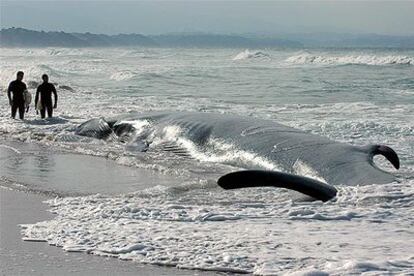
334	162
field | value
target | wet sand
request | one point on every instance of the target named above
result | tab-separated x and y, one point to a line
21	202
37	168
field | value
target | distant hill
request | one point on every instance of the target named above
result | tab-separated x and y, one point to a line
352	40
15	37
19	37
219	40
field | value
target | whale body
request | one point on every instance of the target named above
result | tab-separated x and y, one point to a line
335	162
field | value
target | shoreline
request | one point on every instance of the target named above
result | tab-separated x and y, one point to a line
18	257
22	197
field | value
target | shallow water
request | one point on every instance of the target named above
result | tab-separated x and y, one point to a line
36	168
357	96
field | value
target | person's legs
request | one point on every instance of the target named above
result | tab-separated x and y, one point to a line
21	111
43	112
13	110
49	111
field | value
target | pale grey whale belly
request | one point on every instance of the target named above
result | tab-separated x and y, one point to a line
337	163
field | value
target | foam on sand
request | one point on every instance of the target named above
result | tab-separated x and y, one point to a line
208	229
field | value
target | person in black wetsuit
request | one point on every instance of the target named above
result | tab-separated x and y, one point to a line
45	91
17	87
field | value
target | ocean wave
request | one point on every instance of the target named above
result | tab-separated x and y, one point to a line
122	75
54	52
64	52
307	58
129	75
144	54
58	52
246	54
34	73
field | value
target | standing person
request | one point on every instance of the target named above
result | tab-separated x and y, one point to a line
45	91
17	87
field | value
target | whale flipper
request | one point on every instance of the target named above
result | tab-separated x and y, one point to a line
387	152
260	178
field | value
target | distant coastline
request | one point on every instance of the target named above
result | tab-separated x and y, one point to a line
20	37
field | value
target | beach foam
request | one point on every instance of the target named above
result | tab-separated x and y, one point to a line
209	229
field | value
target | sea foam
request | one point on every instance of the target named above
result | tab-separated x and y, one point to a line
307	58
209	229
247	54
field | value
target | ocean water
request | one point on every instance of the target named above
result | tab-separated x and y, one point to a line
360	96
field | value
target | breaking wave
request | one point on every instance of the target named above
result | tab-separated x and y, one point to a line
246	54
307	58
123	75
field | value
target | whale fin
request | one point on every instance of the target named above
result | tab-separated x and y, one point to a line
260	178
387	152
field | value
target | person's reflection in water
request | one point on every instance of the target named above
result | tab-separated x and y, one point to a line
44	165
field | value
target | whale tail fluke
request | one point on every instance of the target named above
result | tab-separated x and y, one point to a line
260	178
385	151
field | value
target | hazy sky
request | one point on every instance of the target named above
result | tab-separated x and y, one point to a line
153	17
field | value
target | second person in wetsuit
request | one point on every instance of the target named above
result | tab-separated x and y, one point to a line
45	91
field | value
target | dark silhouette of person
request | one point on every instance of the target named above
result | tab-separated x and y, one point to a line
45	91
17	88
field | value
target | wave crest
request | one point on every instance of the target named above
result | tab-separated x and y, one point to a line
307	58
246	54
122	75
